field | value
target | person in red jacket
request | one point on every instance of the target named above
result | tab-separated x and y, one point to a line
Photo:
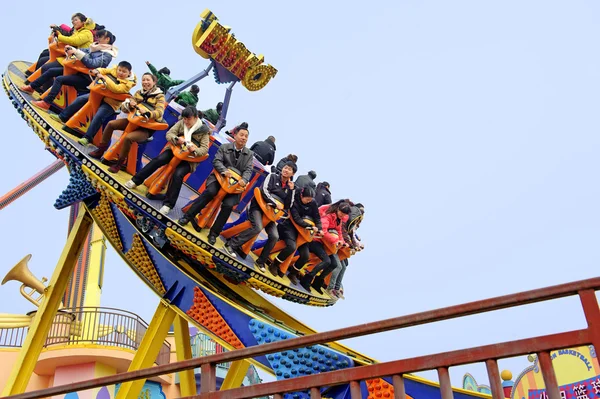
332	217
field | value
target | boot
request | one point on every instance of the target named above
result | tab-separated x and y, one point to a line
116	168
97	154
317	284
306	281
274	267
293	275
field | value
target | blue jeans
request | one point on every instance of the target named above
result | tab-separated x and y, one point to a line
75	106
79	81
104	112
338	274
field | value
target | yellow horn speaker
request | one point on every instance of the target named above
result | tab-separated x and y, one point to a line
22	274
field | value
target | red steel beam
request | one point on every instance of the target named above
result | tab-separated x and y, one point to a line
404	366
482	306
494	377
549	375
592	315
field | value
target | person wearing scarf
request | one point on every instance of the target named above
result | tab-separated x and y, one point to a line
149	95
189	131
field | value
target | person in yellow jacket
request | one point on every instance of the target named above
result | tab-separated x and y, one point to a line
81	35
119	79
149	95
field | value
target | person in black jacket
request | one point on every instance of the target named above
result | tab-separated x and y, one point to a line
282	161
323	196
264	151
307	180
275	185
303	207
231	155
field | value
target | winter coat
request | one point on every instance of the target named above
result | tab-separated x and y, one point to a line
281	164
264	151
155	100
116	85
274	186
225	158
305	181
323	195
97	55
187	98
164	81
82	37
300	210
331	221
200	136
349	227
211	115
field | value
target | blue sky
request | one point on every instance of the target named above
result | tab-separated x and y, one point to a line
467	128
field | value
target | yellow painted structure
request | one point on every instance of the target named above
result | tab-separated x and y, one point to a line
187	381
571	366
235	375
42	321
149	348
93	287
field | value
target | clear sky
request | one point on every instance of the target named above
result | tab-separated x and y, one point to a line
468	129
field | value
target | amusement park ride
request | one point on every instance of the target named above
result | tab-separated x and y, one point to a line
196	282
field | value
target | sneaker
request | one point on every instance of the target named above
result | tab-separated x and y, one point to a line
229	251
183	220
340	294
56	117
83	141
130	184
41	104
260	264
212	239
165	210
26	89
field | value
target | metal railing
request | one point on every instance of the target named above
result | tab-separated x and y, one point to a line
203	345
489	354
91	326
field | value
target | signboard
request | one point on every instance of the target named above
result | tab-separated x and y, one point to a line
214	41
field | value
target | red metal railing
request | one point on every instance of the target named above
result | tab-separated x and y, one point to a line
441	362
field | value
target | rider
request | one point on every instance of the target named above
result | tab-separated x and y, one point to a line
323	194
349	228
275	187
149	95
187	98
302	208
332	217
119	80
189	131
264	151
307	180
230	155
282	161
213	115
98	55
163	76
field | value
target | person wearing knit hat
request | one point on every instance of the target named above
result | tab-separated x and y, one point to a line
277	191
307	180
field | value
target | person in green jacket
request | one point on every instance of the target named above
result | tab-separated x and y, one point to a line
213	115
163	75
188	98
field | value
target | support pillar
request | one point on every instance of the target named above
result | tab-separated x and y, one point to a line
44	317
147	353
187	380
235	375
